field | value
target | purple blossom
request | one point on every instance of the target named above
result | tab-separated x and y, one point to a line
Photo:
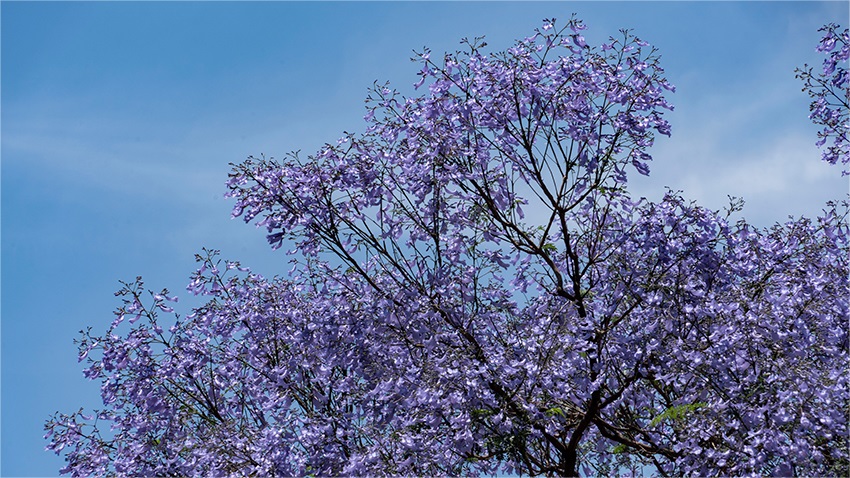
830	95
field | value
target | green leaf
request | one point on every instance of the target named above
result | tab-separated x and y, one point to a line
481	413
676	412
619	448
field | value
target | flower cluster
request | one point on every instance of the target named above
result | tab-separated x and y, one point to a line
474	291
830	93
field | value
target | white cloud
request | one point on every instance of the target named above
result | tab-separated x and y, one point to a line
776	178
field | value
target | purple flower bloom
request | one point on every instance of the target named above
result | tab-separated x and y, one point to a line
830	107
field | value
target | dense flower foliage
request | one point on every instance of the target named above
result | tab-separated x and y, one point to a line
830	93
474	291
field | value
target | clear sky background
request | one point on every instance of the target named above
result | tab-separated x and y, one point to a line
119	121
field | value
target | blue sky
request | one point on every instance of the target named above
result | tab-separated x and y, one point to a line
119	121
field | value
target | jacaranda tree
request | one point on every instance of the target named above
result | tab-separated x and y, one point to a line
474	291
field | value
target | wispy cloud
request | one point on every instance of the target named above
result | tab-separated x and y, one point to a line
776	178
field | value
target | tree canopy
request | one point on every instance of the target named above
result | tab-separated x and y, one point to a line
474	290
